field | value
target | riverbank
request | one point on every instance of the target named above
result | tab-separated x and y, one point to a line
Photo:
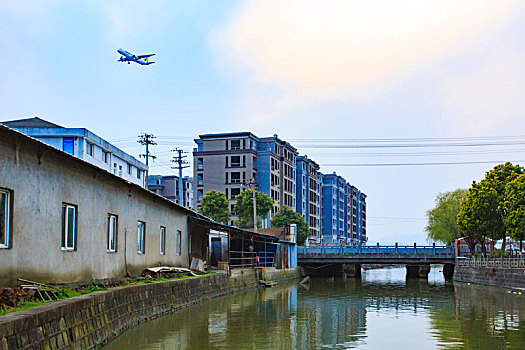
510	278
87	321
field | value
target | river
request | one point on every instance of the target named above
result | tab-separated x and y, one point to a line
381	311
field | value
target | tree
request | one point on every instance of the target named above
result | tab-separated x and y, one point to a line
442	220
286	216
515	200
497	179
478	215
244	207
214	205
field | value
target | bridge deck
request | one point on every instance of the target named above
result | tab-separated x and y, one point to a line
377	254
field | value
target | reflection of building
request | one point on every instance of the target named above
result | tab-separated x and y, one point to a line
168	187
85	145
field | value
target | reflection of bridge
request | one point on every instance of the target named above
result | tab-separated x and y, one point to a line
345	261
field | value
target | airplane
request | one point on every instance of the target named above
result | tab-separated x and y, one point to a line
129	57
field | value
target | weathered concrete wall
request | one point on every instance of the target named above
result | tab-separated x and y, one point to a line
41	179
499	277
87	321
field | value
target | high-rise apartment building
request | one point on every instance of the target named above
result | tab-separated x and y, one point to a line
168	187
343	211
228	162
308	194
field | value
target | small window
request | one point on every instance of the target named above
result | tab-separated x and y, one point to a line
141	237
235	161
234	192
68	145
138	173
5	218
120	170
69	226
115	168
130	168
105	157
90	149
235	144
112	233
162	240
179	242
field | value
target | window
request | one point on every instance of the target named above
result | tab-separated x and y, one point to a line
130	168
179	242
69	226
234	192
141	237
200	163
236	177
90	149
112	233
120	170
235	161
5	218
138	173
162	240
235	144
68	145
105	157
115	168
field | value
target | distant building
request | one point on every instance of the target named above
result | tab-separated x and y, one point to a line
168	187
227	162
343	211
308	194
85	145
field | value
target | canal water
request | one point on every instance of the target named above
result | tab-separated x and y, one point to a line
381	311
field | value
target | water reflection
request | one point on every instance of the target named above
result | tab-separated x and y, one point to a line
380	312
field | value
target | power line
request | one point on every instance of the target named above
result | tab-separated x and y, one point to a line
417	164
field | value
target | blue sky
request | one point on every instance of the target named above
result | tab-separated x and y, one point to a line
306	69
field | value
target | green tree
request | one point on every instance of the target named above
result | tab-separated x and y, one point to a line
214	205
442	220
515	206
478	215
244	207
497	179
286	216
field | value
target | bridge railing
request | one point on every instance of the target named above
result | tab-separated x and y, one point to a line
445	251
509	262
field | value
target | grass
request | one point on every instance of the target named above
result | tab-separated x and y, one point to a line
69	293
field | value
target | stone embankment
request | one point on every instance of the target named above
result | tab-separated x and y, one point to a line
512	278
88	321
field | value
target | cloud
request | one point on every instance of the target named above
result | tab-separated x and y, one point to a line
487	96
309	51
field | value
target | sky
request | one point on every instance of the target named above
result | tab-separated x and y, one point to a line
326	76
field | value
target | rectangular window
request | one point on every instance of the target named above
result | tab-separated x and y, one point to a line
179	242
5	218
69	226
120	170
141	237
236	177
111	245
200	163
90	149
235	144
68	145
114	168
162	240
234	192
235	161
130	168
105	157
138	173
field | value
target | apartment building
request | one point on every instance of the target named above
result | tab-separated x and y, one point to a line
308	194
85	145
168	187
343	211
226	162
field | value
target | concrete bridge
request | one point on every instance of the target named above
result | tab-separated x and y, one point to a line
344	261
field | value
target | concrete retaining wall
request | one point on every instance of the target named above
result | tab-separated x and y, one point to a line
499	277
88	321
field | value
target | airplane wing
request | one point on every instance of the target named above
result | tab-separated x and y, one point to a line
145	56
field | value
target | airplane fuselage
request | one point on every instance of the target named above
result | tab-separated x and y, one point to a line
129	57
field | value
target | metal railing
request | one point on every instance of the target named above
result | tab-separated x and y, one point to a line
241	259
510	262
396	249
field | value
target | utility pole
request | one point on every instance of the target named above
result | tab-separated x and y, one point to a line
253	186
146	140
181	164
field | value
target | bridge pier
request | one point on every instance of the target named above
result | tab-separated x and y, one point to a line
448	271
352	270
417	271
